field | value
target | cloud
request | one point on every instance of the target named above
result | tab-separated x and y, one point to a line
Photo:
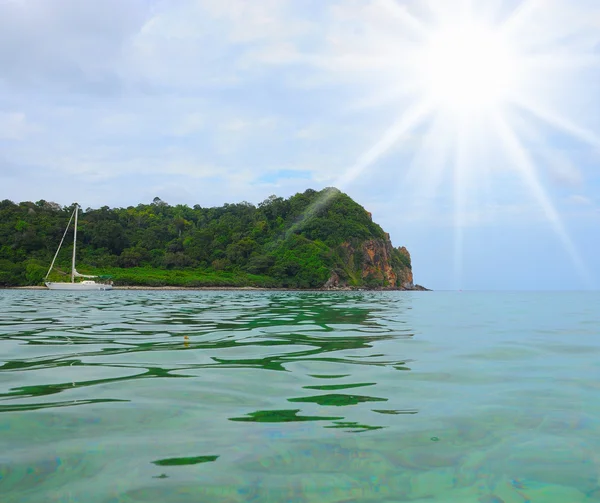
561	169
15	126
238	124
197	44
273	96
67	44
579	200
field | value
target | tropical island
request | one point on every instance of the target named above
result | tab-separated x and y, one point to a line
313	240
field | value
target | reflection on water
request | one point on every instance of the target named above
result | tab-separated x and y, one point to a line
185	461
324	397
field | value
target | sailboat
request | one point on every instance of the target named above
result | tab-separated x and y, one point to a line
86	284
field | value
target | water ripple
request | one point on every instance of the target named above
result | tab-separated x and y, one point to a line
309	396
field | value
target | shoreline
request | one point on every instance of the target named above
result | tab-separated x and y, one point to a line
231	288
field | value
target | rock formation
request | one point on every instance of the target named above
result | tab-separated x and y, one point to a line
374	264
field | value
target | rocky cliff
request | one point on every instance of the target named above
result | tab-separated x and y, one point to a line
374	264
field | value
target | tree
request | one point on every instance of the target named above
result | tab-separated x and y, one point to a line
295	242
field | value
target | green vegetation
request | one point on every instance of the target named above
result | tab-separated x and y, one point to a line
291	243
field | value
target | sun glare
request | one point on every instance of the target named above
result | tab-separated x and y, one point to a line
470	89
468	67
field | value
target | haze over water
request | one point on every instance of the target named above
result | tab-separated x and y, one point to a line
299	397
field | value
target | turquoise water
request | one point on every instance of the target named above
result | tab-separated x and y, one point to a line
135	396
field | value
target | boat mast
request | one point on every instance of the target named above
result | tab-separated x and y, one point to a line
74	245
58	249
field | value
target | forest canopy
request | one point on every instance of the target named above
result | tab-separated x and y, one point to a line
292	243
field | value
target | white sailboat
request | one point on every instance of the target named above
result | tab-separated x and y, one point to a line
87	284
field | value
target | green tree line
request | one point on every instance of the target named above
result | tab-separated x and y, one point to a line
290	243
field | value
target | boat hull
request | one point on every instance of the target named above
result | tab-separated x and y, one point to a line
78	287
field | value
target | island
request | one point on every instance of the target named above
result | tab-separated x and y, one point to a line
312	240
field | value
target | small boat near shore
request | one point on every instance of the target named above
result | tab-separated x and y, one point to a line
80	286
83	285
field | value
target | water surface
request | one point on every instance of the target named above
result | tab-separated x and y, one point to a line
169	396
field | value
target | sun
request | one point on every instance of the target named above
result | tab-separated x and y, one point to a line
468	66
475	95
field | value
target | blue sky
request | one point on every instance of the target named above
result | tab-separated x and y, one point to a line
207	102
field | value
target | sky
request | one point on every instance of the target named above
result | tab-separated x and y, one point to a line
469	129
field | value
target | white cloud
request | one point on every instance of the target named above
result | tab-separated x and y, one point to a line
65	44
189	124
15	126
196	44
578	199
204	88
562	170
239	124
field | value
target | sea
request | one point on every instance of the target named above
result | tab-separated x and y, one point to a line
260	396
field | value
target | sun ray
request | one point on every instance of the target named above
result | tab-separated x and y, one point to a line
431	158
426	170
461	68
559	166
442	10
405	124
527	170
402	14
460	186
560	62
522	16
559	122
553	32
490	10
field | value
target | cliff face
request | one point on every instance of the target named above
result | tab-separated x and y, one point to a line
407	279
374	263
